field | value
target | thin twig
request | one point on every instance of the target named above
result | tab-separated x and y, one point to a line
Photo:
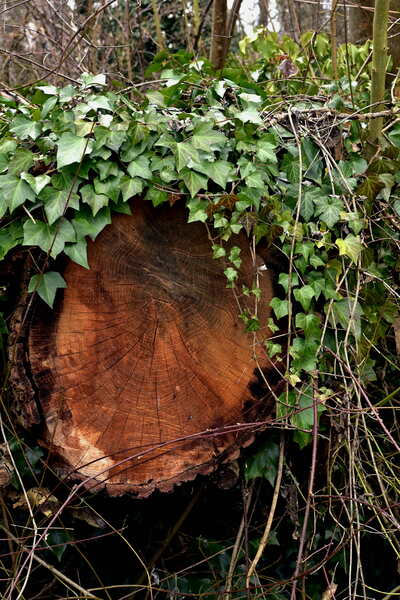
268	525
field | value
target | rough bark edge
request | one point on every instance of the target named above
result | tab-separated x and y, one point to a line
23	396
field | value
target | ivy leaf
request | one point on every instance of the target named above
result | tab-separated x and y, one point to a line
25	128
310	324
21	161
249	115
394	135
220	171
71	149
307	205
10	236
272	348
46	285
130	187
110	188
37	183
328	208
78	252
194	181
186	155
264	463
280	307
197	210
56	202
206	138
304	417
231	274
218	251
95	201
284	280
48	106
15	191
50	238
87	224
351	246
140	167
304	295
266	151
347	313
156	196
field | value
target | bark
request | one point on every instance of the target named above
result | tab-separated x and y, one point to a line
142	353
379	64
218	33
360	21
264	13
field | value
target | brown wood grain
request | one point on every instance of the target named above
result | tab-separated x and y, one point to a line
144	350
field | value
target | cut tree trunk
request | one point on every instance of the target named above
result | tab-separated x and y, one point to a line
143	373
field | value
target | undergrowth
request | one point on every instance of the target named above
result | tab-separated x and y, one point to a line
275	148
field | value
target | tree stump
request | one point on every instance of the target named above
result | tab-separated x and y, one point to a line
143	369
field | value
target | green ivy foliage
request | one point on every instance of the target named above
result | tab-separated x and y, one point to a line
249	151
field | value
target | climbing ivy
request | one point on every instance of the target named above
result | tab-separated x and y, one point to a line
258	151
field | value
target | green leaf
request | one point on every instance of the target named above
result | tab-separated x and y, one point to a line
110	188
218	251
266	151
194	181
310	324
21	161
48	106
71	149
89	80
46	285
304	295
156	196
249	115
87	224
284	280
140	167
186	155
50	238
56	202
264	463
394	135
234	256
57	541
304	417
219	171
231	274
307	205
95	201
272	348
347	313
25	128
78	252
10	236
37	183
280	307
15	191
197	210
328	208
130	187
351	246
206	138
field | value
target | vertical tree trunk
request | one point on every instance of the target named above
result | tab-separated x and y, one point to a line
157	23
218	33
360	21
264	13
379	62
